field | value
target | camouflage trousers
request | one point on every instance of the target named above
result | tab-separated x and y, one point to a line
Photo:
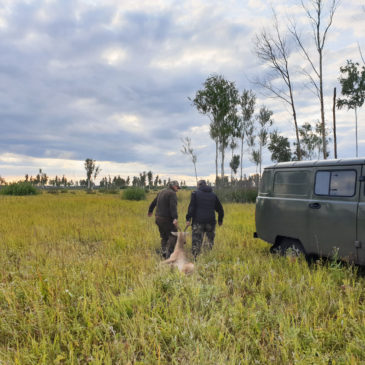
199	229
168	241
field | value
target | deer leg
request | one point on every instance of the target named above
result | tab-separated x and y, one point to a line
169	261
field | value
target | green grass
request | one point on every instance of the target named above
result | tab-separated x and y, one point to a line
80	282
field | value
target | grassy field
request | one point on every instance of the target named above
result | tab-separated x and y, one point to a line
80	282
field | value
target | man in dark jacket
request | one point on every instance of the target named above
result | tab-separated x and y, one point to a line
203	205
166	216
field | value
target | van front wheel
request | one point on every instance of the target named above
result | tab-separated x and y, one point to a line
288	247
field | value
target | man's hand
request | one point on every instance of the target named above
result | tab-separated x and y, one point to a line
174	222
149	214
220	223
188	223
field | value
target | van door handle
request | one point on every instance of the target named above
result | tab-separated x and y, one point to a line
314	205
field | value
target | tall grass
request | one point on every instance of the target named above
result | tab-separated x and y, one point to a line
134	194
80	282
19	188
236	194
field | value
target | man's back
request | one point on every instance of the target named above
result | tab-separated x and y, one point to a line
166	204
203	205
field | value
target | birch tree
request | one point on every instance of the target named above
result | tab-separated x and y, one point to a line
320	18
245	128
218	100
265	122
91	169
352	82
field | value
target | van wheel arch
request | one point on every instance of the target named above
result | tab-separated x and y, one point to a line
287	246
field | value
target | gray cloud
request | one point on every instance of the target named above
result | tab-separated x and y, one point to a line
112	81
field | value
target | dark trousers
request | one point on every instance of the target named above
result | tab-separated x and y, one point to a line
199	229
168	241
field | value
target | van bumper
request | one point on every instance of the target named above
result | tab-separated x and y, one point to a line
255	235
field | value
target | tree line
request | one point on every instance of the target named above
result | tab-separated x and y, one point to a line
143	180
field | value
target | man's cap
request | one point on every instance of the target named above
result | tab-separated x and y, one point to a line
202	183
175	183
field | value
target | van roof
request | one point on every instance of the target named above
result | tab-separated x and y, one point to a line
333	162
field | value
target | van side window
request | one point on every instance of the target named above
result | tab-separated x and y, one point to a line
265	185
291	182
335	183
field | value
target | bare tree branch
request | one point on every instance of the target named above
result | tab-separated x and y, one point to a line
272	48
294	32
188	150
313	82
362	57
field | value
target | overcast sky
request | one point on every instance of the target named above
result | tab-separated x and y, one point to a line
110	80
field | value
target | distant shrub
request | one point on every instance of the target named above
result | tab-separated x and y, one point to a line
20	188
109	191
57	191
236	195
251	195
134	194
52	191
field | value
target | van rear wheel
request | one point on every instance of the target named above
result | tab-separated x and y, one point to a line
289	247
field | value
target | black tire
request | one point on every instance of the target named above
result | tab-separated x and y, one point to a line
288	247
